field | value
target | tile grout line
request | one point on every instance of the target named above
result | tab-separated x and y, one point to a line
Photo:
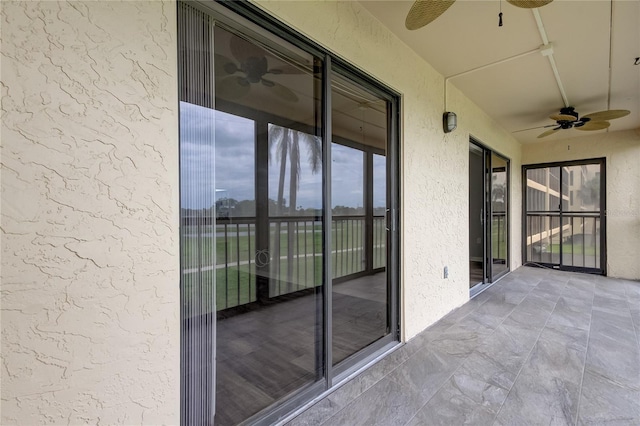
461	363
528	356
467	357
414	354
586	352
365	390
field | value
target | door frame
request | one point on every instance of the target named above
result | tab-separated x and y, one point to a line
602	161
487	215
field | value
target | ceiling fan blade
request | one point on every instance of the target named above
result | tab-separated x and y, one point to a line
534	128
224	65
424	11
529	4
548	132
594	125
232	87
562	117
607	115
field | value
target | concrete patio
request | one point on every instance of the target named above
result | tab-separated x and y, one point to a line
539	347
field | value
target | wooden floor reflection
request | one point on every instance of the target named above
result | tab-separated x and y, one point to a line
265	354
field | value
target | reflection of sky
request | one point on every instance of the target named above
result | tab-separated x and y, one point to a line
379	180
214	140
347	176
197	186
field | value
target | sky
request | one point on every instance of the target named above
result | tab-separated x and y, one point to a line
217	160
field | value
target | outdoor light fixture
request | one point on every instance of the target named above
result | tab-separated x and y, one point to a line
449	121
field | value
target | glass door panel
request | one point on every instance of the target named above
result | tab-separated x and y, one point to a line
564	215
360	295
499	216
269	344
477	264
251	177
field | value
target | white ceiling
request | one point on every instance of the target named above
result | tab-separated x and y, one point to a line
521	93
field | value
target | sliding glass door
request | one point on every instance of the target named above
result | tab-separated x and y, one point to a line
478	267
564	215
488	216
288	239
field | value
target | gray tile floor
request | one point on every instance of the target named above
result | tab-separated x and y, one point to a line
540	347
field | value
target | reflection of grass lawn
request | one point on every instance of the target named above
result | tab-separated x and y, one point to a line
236	283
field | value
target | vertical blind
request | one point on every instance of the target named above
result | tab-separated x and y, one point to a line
197	216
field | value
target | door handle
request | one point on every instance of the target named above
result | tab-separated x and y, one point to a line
386	225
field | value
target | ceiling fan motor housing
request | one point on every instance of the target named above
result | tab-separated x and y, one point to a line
569	111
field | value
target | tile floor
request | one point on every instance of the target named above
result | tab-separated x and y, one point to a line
540	347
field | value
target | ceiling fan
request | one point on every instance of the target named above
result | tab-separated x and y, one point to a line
250	67
424	11
568	118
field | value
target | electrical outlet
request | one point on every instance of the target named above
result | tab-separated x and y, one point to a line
446	272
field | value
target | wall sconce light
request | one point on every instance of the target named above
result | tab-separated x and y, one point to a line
449	122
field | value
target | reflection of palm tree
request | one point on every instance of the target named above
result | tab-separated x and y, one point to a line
287	144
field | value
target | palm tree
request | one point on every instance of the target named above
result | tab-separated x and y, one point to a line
286	144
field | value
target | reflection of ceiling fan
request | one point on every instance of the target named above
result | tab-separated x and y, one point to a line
568	118
424	11
252	67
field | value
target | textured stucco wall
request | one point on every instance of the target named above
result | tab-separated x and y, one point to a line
90	296
434	165
622	151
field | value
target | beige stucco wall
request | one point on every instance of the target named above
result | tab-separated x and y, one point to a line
90	296
622	151
434	165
